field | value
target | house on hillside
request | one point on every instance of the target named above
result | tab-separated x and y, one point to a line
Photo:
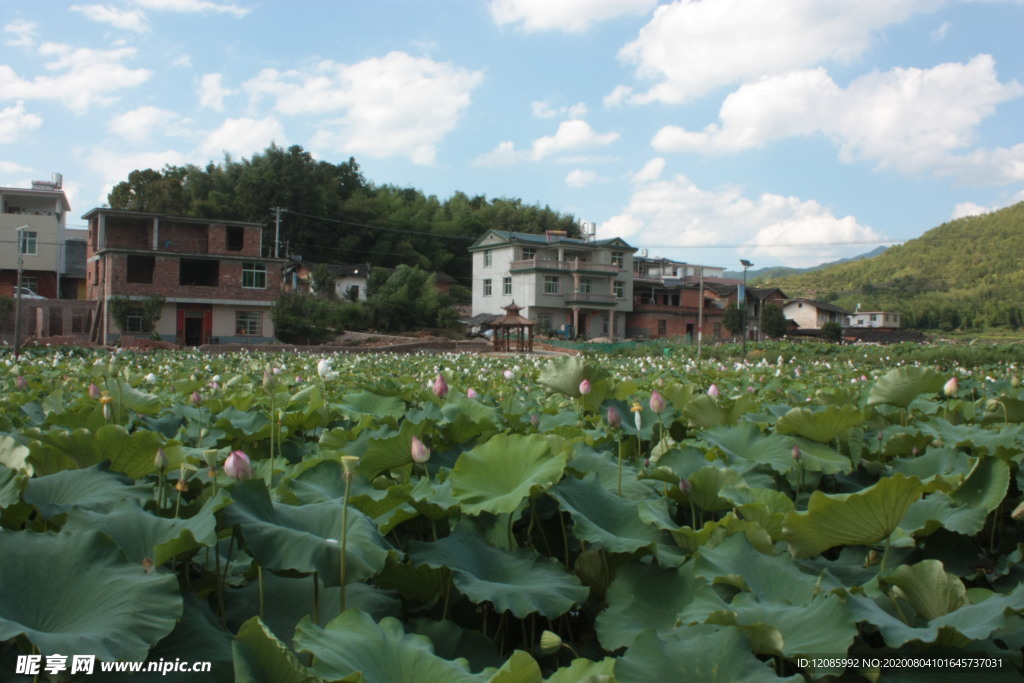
879	320
583	286
812	315
349	278
217	283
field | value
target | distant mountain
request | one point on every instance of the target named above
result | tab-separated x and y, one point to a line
965	274
774	272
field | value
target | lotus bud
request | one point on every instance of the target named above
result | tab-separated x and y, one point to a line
509	375
796	453
440	386
21	382
614	417
420	453
584	387
196	398
323	368
151	378
471	393
1015	381
534	420
268	379
713	391
94	391
950	387
550	643
160	459
685	486
657	402
238	466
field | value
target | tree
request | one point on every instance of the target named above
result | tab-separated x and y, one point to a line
832	331
773	321
406	300
301	318
732	318
321	281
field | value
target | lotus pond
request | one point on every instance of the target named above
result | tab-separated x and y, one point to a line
471	518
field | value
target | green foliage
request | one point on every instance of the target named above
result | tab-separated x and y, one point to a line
832	331
773	321
964	274
301	318
732	318
408	299
321	281
150	310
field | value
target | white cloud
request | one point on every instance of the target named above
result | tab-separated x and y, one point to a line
23	33
127	19
580	178
692	47
242	137
651	171
212	92
546	110
193	6
11	168
571	135
565	15
396	105
138	125
675	214
965	209
85	77
939	34
913	120
15	120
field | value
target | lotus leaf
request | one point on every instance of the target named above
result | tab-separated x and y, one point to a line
985	486
602	518
862	518
520	581
94	488
260	657
354	643
644	597
79	593
565	373
928	588
497	475
132	454
900	386
823	426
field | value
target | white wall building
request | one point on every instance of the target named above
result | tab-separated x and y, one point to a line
559	281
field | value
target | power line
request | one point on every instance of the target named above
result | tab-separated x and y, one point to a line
379	227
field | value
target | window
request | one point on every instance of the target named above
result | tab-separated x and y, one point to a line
199	273
552	284
662	327
487	287
133	322
529	253
717	331
29	242
620	290
254	275
248	323
30	282
874	318
619	259
488	258
544	321
506	286
140	269
235	238
585	285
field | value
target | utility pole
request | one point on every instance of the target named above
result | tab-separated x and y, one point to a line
17	298
746	264
700	313
277	230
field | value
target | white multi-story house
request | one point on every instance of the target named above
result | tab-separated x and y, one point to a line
812	315
886	320
42	212
583	286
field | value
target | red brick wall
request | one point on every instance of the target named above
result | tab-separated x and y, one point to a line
128	235
646	323
166	276
186	238
251	240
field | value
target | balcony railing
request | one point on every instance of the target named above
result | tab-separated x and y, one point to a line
591	298
565	266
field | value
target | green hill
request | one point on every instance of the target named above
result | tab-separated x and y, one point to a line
965	274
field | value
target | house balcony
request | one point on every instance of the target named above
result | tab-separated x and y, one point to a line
573	266
590	299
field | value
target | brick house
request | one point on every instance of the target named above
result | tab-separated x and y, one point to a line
217	284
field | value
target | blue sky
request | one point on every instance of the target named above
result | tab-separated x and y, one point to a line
785	132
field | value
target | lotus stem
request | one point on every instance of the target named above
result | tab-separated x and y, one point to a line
259	577
348	463
316	598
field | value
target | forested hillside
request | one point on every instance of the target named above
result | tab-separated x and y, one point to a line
333	213
965	274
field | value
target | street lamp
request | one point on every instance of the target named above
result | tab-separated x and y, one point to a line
746	264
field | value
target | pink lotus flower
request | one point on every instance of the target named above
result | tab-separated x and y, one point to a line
420	453
509	374
440	386
21	382
951	387
196	398
614	417
796	453
238	466
94	391
658	402
471	393
585	387
713	391
685	486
